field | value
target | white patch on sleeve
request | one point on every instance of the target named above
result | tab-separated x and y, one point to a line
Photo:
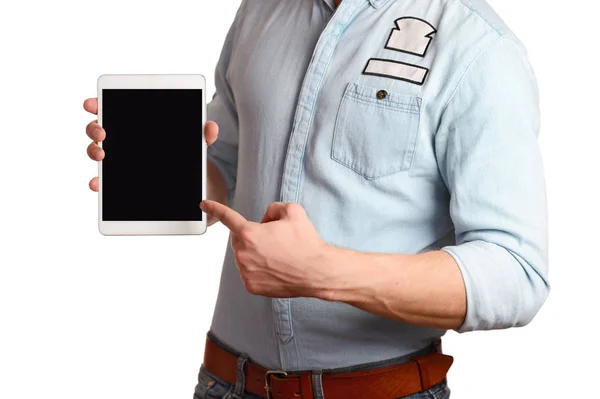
396	70
412	36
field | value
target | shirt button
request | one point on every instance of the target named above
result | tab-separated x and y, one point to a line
382	94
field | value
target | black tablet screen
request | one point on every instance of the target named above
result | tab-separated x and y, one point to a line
152	170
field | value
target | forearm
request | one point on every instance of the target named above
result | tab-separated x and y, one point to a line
216	187
425	289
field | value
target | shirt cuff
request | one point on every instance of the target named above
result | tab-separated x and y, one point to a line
492	282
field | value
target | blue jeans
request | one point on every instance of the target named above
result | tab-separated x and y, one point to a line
211	387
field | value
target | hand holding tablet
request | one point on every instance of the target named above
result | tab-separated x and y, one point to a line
152	153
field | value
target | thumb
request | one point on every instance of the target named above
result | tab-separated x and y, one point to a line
275	211
211	132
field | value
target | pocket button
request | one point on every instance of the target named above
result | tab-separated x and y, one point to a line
382	94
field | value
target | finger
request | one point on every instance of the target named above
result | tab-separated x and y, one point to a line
91	105
230	218
95	184
275	211
95	131
211	132
95	152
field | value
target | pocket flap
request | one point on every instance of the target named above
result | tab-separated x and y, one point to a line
405	102
376	131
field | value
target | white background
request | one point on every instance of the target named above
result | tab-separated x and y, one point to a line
87	316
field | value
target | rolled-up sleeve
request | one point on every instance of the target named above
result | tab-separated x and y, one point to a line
221	109
489	157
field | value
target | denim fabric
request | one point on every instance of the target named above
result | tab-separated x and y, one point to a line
401	126
211	387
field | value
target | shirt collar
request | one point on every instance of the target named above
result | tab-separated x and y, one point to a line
378	3
374	3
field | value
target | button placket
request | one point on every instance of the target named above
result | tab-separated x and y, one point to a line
303	118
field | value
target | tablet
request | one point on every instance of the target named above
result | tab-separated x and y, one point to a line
153	176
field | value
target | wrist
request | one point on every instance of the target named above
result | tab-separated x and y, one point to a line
353	276
329	272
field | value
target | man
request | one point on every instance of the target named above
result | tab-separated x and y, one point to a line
378	167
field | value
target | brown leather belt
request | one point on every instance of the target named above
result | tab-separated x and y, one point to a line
390	382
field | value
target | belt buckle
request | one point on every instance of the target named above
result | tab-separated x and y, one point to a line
267	375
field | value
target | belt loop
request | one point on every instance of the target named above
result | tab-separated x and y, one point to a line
240	384
423	373
317	384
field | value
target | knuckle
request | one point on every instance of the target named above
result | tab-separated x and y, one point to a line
239	261
248	234
251	286
294	209
242	258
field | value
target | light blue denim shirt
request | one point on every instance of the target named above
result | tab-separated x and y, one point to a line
401	126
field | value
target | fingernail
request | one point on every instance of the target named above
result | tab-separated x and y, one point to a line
203	206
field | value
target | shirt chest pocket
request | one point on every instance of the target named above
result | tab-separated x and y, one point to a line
376	131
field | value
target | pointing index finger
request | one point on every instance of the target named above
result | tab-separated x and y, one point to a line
230	218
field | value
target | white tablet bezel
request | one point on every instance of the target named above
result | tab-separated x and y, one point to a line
153	82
